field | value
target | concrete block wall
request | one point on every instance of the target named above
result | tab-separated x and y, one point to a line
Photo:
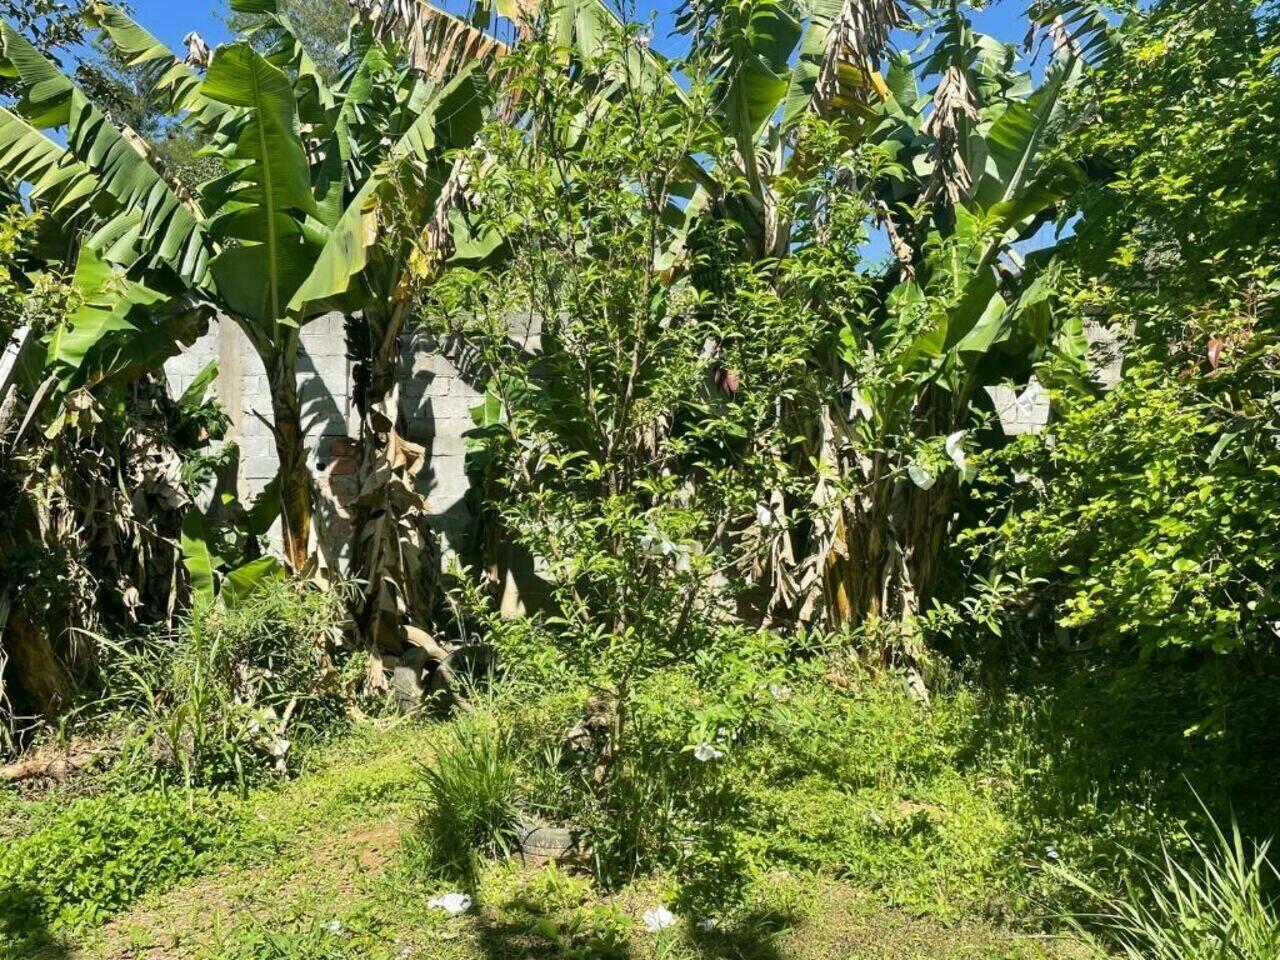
435	393
1028	411
438	390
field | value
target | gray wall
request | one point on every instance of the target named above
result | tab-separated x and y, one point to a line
438	391
435	394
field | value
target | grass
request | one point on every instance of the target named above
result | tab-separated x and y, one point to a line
318	871
1215	900
867	825
469	805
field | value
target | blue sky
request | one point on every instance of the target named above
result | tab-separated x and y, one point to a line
170	19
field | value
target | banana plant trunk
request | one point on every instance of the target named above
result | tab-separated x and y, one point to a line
884	557
888	537
394	551
294	474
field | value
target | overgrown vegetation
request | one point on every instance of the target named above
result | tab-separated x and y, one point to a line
770	583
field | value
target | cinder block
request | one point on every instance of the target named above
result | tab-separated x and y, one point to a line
259	468
257	447
448	444
453	407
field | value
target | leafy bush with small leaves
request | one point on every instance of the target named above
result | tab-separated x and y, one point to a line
468	804
1150	524
100	854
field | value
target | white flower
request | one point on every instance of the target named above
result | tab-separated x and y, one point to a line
656	545
658	919
451	903
705	752
334	927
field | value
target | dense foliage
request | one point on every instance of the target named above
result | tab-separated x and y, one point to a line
765	575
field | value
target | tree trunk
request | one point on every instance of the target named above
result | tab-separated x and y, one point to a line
295	475
883	561
39	684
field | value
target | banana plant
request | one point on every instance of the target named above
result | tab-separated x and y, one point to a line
961	309
272	242
967	175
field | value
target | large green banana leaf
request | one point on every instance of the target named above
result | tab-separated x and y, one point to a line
117	329
56	178
450	120
180	84
171	229
268	193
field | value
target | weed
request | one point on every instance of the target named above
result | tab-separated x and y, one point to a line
100	854
1214	902
469	802
234	693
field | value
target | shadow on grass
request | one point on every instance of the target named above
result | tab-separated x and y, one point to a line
1106	763
525	933
753	937
24	932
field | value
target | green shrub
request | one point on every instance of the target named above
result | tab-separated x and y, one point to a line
100	854
468	804
1218	902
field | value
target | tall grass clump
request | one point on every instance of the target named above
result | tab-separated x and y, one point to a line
469	802
1215	903
235	693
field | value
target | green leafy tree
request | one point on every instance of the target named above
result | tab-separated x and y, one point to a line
629	425
1149	524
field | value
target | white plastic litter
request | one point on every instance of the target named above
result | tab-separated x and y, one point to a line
764	514
921	476
658	919
705	752
955	449
452	903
